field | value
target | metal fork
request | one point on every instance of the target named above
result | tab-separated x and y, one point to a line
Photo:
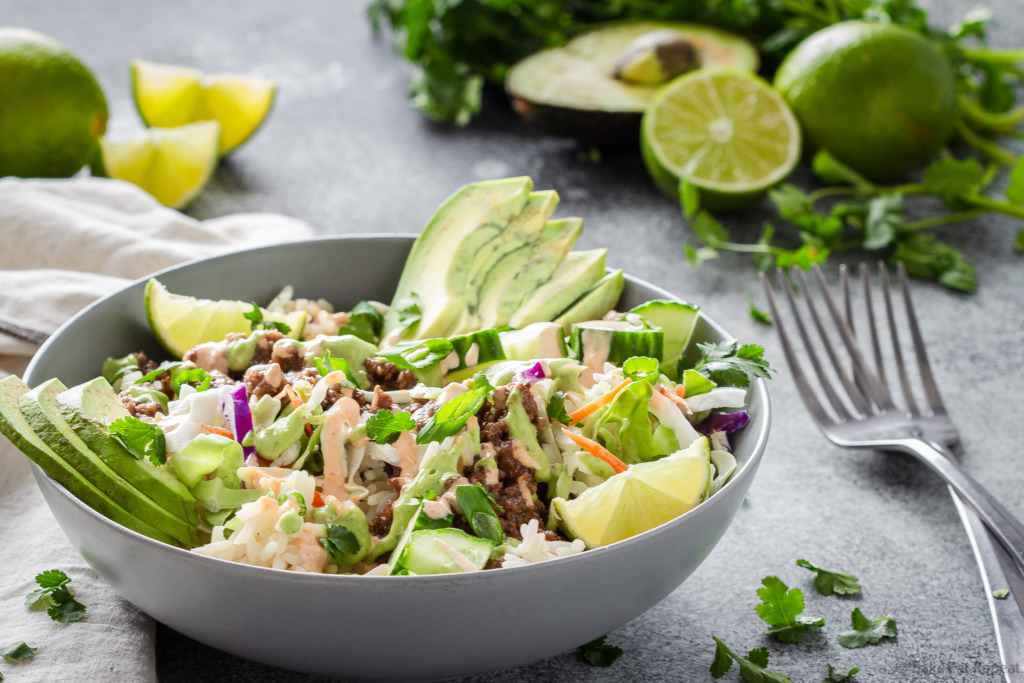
861	413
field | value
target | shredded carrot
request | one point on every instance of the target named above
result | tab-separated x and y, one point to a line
681	390
602	400
675	398
297	403
597	450
318	500
220	431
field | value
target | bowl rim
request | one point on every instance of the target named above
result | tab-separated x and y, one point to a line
746	469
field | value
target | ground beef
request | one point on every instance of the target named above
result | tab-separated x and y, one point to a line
146	365
147	409
265	347
421	411
264	380
380	525
387	376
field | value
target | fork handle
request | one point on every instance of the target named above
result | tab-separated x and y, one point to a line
1004	526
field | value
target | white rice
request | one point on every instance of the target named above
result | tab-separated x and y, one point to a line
536	548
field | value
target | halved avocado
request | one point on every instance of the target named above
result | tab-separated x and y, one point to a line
573	90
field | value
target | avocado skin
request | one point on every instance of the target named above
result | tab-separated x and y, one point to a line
601	298
90	408
40	409
607	129
16	428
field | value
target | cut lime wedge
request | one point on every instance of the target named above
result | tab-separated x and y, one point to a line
646	495
181	322
172	164
725	131
170	96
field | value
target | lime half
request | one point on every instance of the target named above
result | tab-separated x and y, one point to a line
726	132
170	96
172	164
646	495
181	322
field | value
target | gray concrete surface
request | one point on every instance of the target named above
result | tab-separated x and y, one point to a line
343	151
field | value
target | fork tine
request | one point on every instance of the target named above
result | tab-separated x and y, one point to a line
876	347
807	393
860	365
931	390
901	368
857	397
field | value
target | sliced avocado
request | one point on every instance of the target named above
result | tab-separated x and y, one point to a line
17	429
90	408
572	90
503	257
521	428
437	268
526	269
578	272
601	298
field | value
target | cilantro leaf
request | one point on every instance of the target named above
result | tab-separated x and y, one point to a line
950	179
182	375
452	416
418	355
365	322
339	542
780	609
829	581
867	631
641	368
883	221
790	201
52	578
599	653
407	310
166	366
758	314
556	408
1001	593
55	594
66	612
753	668
385	427
698	257
709	230
17	652
835	676
928	258
255	316
140	439
326	365
689	197
729	363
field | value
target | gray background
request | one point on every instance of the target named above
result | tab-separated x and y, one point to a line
343	150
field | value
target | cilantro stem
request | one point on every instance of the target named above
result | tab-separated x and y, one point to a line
833	192
986	147
993	55
939	221
994	205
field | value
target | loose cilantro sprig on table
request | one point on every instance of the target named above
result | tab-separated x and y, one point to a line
17	652
829	581
835	676
867	631
599	653
385	427
753	667
55	595
140	439
781	609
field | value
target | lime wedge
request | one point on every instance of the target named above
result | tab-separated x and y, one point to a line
170	96
646	495
172	164
727	132
181	322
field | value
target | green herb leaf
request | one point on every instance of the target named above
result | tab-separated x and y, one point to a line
831	170
950	179
52	578
66	611
728	363
1001	593
790	201
365	322
781	610
166	366
452	416
835	676
698	257
339	542
883	221
140	439
182	375
928	258
418	355
556	409
385	427
689	197
829	581
478	507
326	365
255	316
709	230
760	315
753	668
640	368
18	652
54	593
867	631
599	653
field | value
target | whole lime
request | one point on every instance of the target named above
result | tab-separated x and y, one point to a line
52	109
880	98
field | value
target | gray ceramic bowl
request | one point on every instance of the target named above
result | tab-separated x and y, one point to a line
424	627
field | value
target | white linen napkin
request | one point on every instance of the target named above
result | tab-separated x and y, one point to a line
63	244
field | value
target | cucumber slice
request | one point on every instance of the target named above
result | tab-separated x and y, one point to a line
445	551
614	341
677	320
536	340
476	348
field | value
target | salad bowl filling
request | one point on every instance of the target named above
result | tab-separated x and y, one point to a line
490	416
